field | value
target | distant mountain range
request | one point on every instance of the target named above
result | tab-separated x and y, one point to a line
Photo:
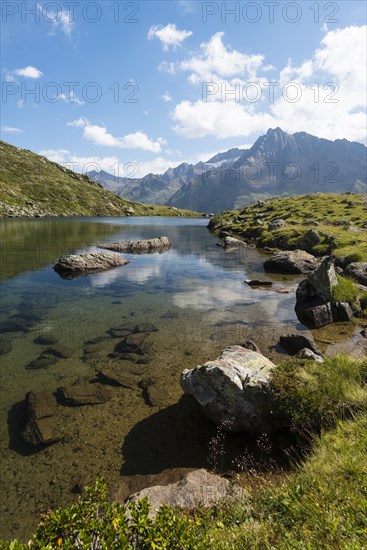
278	164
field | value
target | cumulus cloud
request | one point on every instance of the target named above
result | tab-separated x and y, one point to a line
170	35
325	95
29	72
216	60
100	136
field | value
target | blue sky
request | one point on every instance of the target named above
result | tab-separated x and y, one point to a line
134	87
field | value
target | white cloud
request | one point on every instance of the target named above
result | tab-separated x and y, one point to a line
166	67
223	120
11	130
169	35
331	87
20	103
167	97
218	61
62	19
100	136
29	72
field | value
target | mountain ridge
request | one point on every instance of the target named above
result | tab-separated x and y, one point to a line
277	164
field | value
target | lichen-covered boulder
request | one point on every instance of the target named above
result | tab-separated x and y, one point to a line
147	246
75	265
196	489
291	261
234	390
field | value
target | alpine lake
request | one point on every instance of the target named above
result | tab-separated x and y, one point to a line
196	298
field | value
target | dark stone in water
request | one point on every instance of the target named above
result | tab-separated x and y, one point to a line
41	363
293	343
83	394
5	346
59	350
13	325
133	343
46	339
40	426
119	377
255	282
97	340
145	327
170	315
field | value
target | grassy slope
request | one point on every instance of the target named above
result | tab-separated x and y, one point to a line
33	183
339	219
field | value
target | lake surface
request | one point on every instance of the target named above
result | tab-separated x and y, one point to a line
195	296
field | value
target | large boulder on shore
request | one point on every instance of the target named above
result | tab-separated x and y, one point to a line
197	488
234	390
75	265
314	304
291	261
147	246
358	272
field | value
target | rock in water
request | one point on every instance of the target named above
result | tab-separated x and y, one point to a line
197	488
291	261
40	426
70	267
147	246
231	242
83	394
314	305
234	390
294	343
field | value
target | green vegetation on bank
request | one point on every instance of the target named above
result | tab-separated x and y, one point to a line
339	219
321	504
33	186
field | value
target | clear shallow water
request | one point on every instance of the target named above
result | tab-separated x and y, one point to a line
196	297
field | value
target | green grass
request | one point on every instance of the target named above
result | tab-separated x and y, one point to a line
339	219
345	290
30	182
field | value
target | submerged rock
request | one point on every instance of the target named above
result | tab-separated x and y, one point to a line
40	426
83	394
291	261
147	246
59	350
196	489
5	346
70	267
119	377
46	339
234	390
42	362
133	343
